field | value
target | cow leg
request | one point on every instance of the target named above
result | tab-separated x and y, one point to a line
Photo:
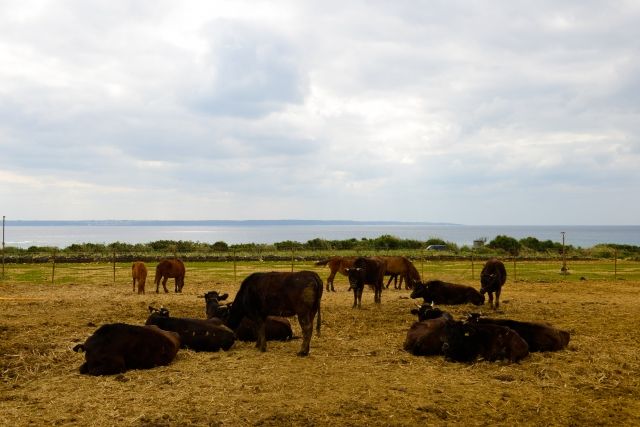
141	286
164	284
261	332
134	285
306	324
490	293
355	298
400	284
497	298
360	290
330	287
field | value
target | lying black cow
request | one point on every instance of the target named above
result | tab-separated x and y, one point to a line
117	347
492	277
466	341
439	292
369	271
196	334
539	336
427	336
278	294
276	328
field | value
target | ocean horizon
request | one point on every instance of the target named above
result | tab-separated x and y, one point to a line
61	234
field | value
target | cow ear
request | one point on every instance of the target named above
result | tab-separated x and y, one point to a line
223	297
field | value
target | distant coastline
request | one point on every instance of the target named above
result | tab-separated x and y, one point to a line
210	223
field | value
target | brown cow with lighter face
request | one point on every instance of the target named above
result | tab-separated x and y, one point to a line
139	275
167	268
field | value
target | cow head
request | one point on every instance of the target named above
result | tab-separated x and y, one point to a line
356	276
159	311
427	311
461	342
213	307
419	290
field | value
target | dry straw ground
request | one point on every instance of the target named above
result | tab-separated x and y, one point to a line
356	374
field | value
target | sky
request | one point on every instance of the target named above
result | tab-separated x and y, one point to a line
470	112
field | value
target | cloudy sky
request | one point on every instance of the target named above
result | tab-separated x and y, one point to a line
473	112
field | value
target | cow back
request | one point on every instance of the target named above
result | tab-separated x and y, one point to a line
196	334
539	337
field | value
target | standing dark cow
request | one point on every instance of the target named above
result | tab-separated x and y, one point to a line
492	278
117	347
427	336
170	268
139	275
279	294
369	271
438	292
276	328
466	341
196	334
539	336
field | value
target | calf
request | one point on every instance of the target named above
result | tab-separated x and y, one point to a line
464	342
427	336
276	328
439	292
368	271
539	336
117	347
196	334
139	275
278	294
492	277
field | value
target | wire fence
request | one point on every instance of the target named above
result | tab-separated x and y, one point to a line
59	268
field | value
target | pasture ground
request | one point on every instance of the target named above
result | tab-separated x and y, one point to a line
356	374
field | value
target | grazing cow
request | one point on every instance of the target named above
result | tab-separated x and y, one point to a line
336	264
400	266
196	334
276	328
139	274
368	271
492	278
464	342
117	347
539	336
170	268
278	294
427	336
439	292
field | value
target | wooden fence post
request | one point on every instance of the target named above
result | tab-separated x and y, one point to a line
235	270
615	264
515	271
472	266
53	269
292	257
114	266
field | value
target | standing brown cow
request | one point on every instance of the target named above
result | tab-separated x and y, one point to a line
170	268
139	274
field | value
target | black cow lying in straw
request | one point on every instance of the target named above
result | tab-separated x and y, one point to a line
276	328
427	336
196	334
117	347
464	342
539	336
439	292
279	294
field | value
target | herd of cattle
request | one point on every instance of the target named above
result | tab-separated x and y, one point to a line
261	306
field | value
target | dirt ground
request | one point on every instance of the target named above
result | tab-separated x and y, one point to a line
356	374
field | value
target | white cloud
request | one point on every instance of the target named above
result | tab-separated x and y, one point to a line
371	110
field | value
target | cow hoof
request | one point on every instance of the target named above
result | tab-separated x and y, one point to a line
303	353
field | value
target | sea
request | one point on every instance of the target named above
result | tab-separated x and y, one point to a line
61	234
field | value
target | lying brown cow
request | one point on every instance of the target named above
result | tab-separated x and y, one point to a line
139	275
117	347
439	292
539	336
466	341
281	294
276	328
196	334
427	336
168	268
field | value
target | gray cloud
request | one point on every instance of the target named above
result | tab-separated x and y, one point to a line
451	111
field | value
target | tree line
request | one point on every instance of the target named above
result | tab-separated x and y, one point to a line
500	245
